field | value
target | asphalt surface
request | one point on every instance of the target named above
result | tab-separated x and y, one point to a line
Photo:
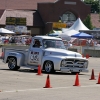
24	84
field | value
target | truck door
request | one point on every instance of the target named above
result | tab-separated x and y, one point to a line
35	53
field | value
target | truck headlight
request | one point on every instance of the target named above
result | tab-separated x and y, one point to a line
85	64
63	63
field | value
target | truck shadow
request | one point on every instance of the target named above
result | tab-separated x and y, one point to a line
43	72
20	70
61	73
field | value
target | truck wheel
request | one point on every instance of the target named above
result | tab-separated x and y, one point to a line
48	67
12	63
74	73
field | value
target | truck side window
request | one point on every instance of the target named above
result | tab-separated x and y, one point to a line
37	43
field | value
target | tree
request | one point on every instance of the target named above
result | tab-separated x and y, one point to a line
95	7
87	22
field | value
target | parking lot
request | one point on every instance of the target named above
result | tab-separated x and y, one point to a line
24	84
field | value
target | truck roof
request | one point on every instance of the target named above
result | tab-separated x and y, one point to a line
47	37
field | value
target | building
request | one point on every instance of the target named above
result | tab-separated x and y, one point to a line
40	17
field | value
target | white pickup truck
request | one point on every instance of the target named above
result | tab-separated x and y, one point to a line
49	53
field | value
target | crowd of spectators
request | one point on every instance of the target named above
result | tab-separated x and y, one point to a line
22	39
82	42
85	42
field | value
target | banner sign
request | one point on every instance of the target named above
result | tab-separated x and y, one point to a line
15	21
59	25
20	21
21	29
10	20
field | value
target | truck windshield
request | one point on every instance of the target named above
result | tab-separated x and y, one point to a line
53	44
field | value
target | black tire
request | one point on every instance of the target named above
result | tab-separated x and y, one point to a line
35	70
74	73
49	67
12	63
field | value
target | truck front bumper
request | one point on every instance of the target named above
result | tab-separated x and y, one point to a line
64	69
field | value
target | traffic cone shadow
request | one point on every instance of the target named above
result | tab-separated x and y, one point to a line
39	70
47	85
98	79
77	81
92	75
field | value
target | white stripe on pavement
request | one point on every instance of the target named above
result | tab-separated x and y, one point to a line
1	91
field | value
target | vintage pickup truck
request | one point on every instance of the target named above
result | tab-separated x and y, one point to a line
48	52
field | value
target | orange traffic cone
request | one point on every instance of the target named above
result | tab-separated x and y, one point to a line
99	79
39	70
87	56
47	85
77	81
92	75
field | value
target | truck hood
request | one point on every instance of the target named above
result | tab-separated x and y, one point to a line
61	52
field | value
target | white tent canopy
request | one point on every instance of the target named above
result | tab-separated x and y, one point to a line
64	29
67	35
57	31
5	31
78	25
68	38
53	34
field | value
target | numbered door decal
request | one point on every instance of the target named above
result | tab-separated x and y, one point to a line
34	57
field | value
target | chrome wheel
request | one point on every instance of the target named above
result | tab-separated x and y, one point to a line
48	66
12	64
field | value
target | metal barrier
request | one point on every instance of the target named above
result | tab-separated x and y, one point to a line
84	50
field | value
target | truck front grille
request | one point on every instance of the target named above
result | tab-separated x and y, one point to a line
75	63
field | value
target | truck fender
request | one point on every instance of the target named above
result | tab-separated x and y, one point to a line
19	57
55	60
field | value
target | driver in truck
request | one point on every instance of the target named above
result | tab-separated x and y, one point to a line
37	43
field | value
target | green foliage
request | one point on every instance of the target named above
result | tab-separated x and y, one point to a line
87	22
95	7
88	1
51	32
